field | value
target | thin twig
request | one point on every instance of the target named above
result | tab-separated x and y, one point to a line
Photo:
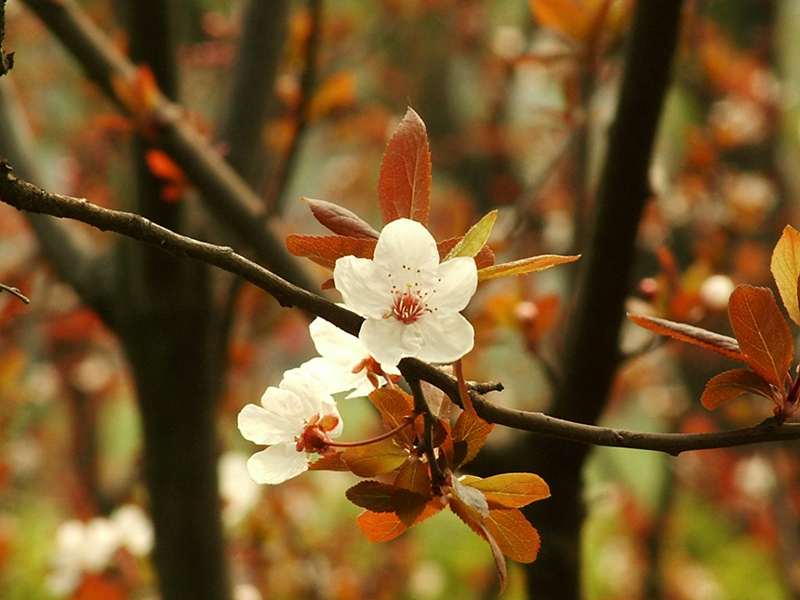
15	292
25	196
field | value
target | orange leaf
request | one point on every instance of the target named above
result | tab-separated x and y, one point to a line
470	433
414	476
524	266
340	220
732	384
721	344
404	182
375	459
138	91
382	527
336	92
517	538
372	495
567	17
325	249
785	267
395	405
510	490
762	332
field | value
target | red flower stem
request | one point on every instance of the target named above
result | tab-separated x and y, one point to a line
406	422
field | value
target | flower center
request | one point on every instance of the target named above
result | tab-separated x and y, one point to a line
408	306
315	434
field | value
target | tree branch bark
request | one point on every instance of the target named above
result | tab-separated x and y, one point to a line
27	197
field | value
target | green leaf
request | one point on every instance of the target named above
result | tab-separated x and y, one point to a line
475	239
525	266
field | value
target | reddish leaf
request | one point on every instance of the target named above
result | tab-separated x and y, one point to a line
395	405
721	344
785	267
510	490
333	462
732	384
414	476
408	505
568	17
340	220
375	459
372	495
484	258
325	249
382	527
762	332
517	538
470	433
404	182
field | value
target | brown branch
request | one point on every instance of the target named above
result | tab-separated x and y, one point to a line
226	194
27	197
6	59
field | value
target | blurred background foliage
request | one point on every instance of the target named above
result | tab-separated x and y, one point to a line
517	97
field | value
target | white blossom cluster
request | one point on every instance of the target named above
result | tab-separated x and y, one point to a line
411	306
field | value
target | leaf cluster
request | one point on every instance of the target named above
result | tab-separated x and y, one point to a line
763	340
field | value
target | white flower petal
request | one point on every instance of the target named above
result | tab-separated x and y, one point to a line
261	426
365	287
389	340
334	344
448	336
276	464
406	242
336	377
310	391
135	529
458	280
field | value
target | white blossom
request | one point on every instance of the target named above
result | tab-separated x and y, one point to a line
295	419
344	364
409	300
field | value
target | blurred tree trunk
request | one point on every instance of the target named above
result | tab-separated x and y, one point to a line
591	357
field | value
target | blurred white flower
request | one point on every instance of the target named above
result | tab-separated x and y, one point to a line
296	418
238	490
134	529
344	364
410	301
715	291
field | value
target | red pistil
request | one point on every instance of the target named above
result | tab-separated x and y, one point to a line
315	437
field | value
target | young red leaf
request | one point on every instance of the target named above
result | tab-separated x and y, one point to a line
476	522
382	527
374	459
785	267
372	495
510	490
732	384
517	538
404	182
325	249
524	266
484	258
340	220
470	433
762	332
721	344
395	405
